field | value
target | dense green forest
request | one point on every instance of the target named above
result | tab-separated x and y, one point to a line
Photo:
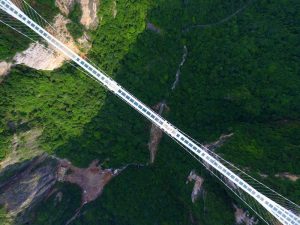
240	76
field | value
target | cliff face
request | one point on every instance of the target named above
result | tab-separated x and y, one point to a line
41	57
197	189
4	69
155	133
65	6
243	217
25	185
89	17
89	8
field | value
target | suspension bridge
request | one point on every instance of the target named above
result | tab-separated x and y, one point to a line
270	206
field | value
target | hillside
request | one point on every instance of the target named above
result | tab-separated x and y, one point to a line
213	68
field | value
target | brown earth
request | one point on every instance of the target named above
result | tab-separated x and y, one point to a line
91	180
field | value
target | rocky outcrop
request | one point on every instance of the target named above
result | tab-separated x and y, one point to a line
178	72
243	217
155	133
89	8
152	27
84	43
155	137
213	146
263	175
89	17
65	6
222	139
286	175
24	146
26	185
39	57
197	186
23	185
4	69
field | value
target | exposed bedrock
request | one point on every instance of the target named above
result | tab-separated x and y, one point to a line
197	189
155	132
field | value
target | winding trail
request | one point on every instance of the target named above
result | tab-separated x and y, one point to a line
186	30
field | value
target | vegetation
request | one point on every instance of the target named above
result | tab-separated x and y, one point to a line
241	76
75	27
8	48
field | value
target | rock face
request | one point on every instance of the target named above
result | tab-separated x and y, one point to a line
155	133
243	217
24	185
24	146
212	147
84	42
155	137
30	182
178	72
89	8
37	56
222	139
41	58
197	186
65	6
89	17
4	68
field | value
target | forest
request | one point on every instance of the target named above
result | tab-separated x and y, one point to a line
241	76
